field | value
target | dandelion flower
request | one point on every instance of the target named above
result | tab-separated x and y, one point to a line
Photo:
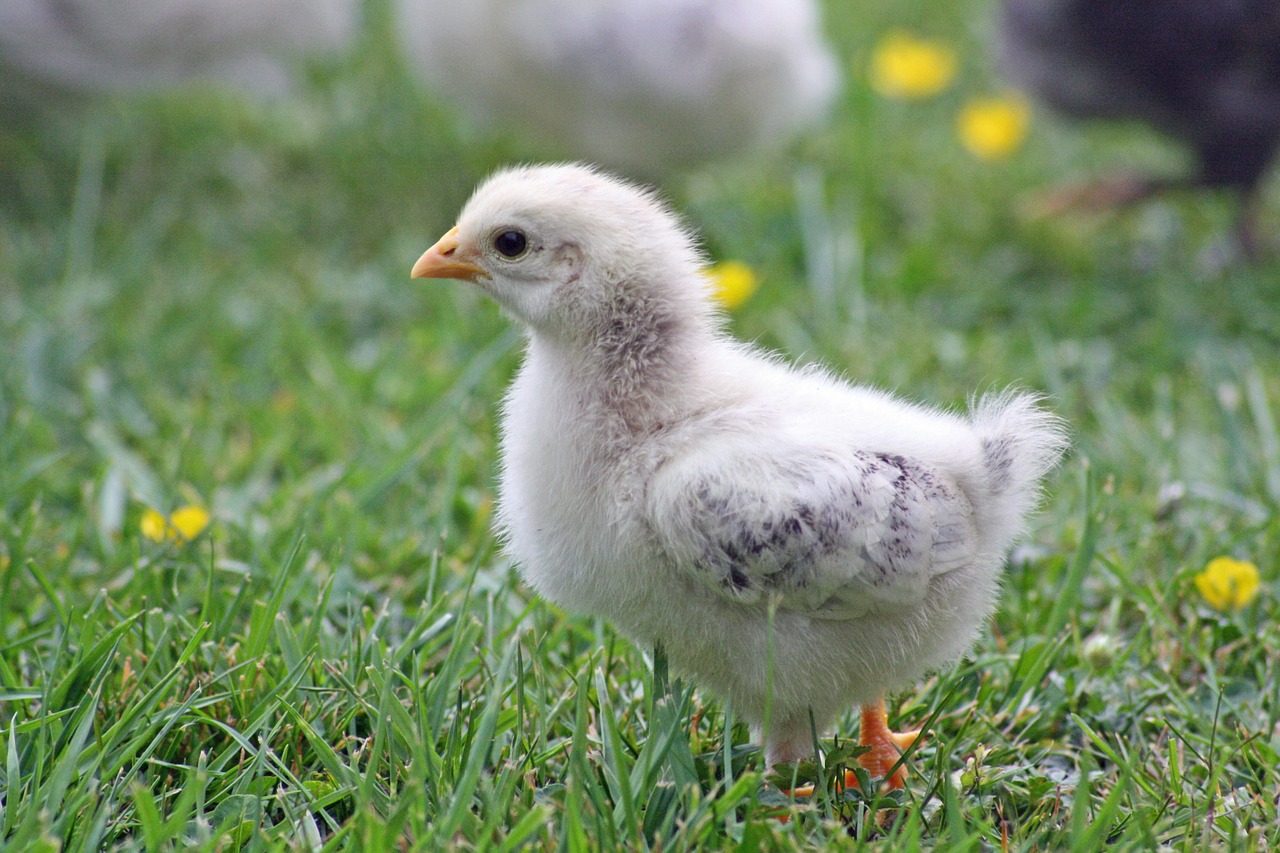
182	525
992	128
1228	584
154	526
732	283
905	66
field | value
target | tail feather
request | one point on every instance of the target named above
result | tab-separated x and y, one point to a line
1021	442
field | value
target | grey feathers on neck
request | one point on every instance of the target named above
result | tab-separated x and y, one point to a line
638	349
636	352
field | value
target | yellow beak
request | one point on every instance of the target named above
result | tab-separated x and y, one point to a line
441	261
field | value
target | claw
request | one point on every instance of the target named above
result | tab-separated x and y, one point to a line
904	740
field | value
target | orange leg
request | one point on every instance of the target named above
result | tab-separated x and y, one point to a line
885	746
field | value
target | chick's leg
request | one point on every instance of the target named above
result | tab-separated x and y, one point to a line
790	744
885	747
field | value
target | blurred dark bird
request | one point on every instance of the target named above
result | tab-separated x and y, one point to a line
1206	72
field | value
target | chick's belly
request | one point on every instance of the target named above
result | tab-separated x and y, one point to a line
800	663
825	665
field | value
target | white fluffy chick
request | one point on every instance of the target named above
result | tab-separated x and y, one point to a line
99	45
795	543
648	86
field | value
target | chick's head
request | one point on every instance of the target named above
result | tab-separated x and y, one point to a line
561	247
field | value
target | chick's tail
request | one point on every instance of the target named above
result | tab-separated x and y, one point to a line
1020	441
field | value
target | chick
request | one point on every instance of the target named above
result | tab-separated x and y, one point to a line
649	86
795	543
1205	72
66	46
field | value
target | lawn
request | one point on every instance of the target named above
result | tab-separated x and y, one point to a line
205	302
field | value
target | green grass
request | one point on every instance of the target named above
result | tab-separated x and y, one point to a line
206	301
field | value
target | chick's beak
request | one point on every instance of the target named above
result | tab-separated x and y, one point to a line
442	261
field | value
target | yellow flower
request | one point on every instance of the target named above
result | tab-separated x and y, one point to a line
732	283
992	128
1228	584
182	525
904	66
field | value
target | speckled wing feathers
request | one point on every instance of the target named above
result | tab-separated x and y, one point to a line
834	537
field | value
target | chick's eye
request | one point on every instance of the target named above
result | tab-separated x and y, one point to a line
510	244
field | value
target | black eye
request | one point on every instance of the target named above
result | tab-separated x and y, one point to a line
510	244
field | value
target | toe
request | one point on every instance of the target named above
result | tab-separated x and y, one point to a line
904	740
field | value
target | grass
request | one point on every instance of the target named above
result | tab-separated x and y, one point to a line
206	301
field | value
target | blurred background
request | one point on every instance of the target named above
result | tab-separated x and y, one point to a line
209	209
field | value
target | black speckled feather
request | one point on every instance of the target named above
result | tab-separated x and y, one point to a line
862	532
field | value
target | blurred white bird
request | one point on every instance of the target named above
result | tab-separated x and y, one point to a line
795	543
101	45
642	85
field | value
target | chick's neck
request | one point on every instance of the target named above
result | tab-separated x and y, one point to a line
635	361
